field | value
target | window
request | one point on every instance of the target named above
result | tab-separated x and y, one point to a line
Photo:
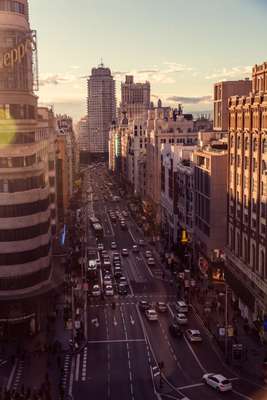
246	162
255	145
238	142
264	166
246	143
264	146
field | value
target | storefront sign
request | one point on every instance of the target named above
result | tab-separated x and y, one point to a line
13	56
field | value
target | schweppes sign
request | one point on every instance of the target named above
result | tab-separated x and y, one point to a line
15	56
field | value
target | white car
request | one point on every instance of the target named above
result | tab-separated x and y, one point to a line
100	246
124	252
107	281
109	290
181	306
113	246
218	382
151	261
181	319
151	314
193	335
96	291
148	254
135	248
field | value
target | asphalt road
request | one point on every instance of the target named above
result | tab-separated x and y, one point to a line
124	349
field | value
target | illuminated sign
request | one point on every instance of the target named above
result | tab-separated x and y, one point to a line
16	55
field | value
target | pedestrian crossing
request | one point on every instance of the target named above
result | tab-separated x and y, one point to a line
84	364
18	375
65	371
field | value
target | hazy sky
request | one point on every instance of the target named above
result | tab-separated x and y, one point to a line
181	46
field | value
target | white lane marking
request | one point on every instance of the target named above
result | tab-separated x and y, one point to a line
194	355
169	308
242	395
77	367
124	324
130	232
191	386
132	320
71	377
115	321
11	376
147	267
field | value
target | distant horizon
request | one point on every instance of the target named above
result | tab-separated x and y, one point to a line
182	51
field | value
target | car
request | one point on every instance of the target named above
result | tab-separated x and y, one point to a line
161	306
104	253
193	335
125	214
135	248
116	254
148	254
122	289
98	263
123	280
141	243
175	330
181	306
151	261
109	290
143	305
218	382
117	272
124	252
181	319
106	265
151	314
113	245
96	291
107	280
100	246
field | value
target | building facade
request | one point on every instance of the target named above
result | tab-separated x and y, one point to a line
222	92
135	99
25	216
101	111
83	140
210	207
247	195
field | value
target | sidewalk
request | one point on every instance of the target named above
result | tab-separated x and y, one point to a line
251	367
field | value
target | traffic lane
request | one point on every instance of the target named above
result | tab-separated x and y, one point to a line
96	384
133	327
190	369
132	270
163	353
140	267
202	391
205	351
249	389
121	385
97	323
115	323
141	372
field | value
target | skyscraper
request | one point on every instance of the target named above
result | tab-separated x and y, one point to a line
25	232
101	111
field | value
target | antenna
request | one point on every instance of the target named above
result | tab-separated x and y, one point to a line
101	63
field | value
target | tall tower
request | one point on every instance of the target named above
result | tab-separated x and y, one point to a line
101	111
25	232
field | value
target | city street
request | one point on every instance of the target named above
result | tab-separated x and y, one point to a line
123	348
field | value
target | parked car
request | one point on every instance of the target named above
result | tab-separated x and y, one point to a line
143	305
151	314
181	319
96	291
175	330
161	306
193	335
218	382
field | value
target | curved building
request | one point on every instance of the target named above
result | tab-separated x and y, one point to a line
25	232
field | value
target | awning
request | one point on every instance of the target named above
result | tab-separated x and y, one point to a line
239	289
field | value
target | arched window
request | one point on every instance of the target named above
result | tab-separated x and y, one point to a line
264	146
255	144
232	141
238	142
264	166
246	143
245	249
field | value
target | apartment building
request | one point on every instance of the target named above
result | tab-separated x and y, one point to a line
247	195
